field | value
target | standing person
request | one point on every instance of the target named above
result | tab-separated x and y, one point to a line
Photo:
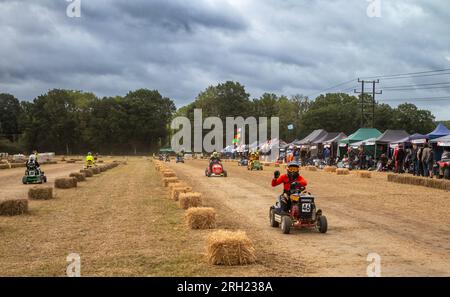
326	155
419	161
401	159
430	163
425	156
414	159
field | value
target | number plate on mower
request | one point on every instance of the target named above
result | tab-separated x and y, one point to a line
306	207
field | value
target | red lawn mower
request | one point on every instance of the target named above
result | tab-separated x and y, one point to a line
215	170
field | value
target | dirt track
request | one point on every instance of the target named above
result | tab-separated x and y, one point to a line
11	186
408	226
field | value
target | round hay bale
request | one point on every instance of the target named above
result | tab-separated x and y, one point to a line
169	180
40	193
87	172
65	182
176	191
96	170
13	207
364	174
230	248
81	177
191	199
330	169
201	218
342	171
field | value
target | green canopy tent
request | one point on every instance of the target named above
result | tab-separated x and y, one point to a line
360	135
166	151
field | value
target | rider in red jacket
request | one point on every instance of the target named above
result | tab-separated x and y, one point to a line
293	175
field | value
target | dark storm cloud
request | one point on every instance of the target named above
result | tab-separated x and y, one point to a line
181	47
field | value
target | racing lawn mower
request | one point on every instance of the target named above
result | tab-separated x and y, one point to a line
254	165
180	159
302	213
33	175
444	166
217	170
243	162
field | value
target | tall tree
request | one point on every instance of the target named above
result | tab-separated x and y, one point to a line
10	113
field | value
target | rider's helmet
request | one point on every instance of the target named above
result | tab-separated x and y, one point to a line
293	170
89	154
32	158
216	155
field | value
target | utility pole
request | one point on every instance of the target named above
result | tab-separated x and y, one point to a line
362	82
368	108
374	92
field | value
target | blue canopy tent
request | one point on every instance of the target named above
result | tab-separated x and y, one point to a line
440	131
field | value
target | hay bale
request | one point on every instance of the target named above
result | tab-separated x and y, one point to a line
4	166
96	170
168	180
169	174
419	181
65	182
200	218
342	171
81	177
230	248
40	193
364	174
70	161
87	172
176	191
311	168
13	207
191	199
330	169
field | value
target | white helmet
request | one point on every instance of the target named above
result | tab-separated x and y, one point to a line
32	158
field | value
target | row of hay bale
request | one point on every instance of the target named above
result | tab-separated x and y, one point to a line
224	247
419	181
346	171
13	207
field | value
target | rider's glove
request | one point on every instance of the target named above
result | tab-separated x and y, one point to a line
276	174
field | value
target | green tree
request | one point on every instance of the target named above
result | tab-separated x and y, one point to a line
10	113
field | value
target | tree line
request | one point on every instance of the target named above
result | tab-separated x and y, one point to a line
68	121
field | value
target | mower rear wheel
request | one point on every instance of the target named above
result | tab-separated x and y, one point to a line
273	223
286	224
322	224
225	174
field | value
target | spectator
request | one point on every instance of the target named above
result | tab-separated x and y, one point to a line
414	159
425	160
419	162
400	159
430	163
326	155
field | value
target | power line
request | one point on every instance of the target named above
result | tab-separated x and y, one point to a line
416	85
413	76
410	73
420	88
333	87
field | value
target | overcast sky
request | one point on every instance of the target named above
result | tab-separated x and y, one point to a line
181	47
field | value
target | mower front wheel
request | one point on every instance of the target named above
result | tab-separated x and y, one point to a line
286	224
273	223
322	224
